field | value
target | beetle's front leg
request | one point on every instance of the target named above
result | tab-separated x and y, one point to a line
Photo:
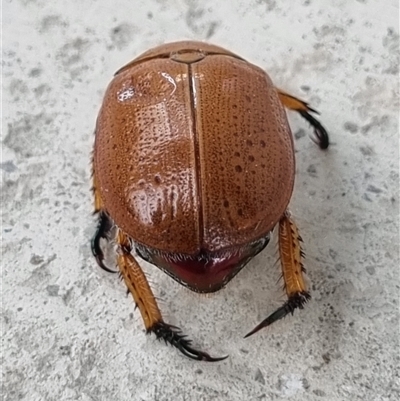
139	287
292	103
290	254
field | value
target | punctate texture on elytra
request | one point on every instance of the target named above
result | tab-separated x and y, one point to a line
193	150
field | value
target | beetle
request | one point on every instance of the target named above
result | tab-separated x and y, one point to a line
194	166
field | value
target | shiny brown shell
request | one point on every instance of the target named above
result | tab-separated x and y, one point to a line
193	150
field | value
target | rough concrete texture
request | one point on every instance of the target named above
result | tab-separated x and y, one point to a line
68	330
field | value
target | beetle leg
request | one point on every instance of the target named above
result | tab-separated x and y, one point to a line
139	287
103	230
292	103
290	253
98	203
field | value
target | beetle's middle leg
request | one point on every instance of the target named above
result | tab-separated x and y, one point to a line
292	271
104	227
139	287
292	103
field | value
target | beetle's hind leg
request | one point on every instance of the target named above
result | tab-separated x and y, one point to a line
292	103
104	228
292	271
139	287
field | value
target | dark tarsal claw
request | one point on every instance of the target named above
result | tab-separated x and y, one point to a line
320	132
103	229
173	335
294	302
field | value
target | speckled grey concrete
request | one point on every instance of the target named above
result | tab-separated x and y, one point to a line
68	330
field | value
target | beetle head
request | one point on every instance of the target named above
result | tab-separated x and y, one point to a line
205	271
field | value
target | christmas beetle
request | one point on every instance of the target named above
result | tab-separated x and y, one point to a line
194	166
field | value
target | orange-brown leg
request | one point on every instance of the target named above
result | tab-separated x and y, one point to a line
290	254
139	287
104	227
292	103
98	203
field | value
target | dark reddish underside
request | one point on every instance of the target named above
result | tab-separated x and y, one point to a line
206	271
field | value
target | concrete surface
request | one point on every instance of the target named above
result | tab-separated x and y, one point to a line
68	330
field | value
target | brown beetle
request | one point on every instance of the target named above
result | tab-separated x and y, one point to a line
194	164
